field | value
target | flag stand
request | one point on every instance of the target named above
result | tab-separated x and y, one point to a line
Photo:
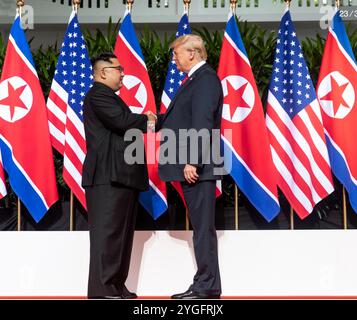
344	208
236	206
18	214
291	218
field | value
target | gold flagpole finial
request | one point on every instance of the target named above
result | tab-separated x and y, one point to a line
129	4
20	4
234	5
187	3
76	4
287	3
338	4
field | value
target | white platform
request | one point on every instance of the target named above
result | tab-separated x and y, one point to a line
252	263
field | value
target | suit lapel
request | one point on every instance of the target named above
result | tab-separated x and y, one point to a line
180	90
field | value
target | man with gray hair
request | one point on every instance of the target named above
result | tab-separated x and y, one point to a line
197	106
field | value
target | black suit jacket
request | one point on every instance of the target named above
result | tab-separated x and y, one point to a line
196	105
106	118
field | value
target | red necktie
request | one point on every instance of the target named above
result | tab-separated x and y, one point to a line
184	80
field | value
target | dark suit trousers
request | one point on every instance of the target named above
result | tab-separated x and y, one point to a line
201	201
112	214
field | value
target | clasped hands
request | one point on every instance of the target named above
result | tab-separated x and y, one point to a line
152	118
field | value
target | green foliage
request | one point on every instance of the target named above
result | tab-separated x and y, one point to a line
2	51
99	42
157	58
259	44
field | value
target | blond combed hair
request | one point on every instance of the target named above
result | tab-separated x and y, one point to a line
191	42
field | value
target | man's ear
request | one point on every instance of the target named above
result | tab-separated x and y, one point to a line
102	74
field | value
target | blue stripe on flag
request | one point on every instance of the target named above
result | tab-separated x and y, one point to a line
128	31
342	173
339	29
153	203
19	37
234	34
21	185
260	199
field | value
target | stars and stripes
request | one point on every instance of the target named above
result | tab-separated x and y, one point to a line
336	89
295	127
175	77
73	78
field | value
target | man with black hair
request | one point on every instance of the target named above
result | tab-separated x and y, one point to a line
112	186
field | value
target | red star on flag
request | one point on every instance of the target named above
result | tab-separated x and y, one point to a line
234	98
129	95
13	99
335	95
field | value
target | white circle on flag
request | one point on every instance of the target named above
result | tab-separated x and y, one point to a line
141	95
21	99
248	97
348	95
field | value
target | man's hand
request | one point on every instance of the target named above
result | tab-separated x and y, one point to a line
151	116
190	173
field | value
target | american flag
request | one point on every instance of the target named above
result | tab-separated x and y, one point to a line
174	77
73	78
295	127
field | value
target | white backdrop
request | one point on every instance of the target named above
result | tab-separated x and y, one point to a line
252	263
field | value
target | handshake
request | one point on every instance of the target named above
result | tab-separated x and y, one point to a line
152	119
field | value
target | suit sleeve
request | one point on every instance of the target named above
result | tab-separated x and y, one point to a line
111	113
160	120
206	100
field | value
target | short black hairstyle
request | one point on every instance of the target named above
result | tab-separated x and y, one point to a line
105	56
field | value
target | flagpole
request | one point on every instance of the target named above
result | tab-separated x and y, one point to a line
233	7
19	4
236	206
75	6
291	218
344	207
288	3
71	210
18	214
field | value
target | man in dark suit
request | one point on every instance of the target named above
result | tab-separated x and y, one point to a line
112	186
196	106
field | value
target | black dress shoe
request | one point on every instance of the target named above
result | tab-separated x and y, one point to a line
190	294
126	294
